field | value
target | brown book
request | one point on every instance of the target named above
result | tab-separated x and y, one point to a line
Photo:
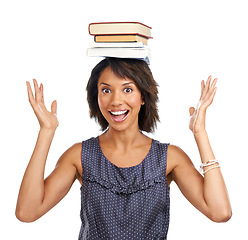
120	38
120	28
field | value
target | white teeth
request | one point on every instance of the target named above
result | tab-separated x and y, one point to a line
119	112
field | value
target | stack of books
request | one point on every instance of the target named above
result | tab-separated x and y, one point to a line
120	39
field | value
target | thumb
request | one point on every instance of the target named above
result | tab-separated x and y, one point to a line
191	111
54	107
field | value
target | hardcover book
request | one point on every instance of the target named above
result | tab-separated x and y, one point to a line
120	28
120	38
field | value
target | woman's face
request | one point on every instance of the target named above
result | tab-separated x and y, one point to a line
119	100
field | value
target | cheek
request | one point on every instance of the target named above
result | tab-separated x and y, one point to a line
135	101
102	102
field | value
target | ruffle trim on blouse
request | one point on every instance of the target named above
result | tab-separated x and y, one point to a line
129	189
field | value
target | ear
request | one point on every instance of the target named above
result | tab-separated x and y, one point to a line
143	100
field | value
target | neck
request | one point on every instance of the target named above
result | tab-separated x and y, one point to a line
123	139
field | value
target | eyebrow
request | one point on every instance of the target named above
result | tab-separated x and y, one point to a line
124	84
127	83
104	84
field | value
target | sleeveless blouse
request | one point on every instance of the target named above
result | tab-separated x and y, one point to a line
124	203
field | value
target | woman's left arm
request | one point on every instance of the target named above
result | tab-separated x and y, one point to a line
207	193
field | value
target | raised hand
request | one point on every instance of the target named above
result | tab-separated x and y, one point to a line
198	115
47	120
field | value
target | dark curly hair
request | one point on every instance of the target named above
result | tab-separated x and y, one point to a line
140	73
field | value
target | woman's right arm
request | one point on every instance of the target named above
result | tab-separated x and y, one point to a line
38	195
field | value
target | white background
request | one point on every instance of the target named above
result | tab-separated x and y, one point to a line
47	40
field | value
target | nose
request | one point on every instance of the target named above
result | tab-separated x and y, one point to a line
117	99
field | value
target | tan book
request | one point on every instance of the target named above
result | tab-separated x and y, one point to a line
120	28
120	38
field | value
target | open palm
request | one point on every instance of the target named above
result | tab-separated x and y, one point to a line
198	115
47	120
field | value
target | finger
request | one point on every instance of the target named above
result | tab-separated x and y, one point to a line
42	92
208	83
214	83
206	88
37	91
191	111
210	99
54	107
211	89
30	92
202	88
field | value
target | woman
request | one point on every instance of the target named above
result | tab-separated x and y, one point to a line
125	175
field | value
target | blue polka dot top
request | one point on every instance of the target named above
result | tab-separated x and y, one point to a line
124	203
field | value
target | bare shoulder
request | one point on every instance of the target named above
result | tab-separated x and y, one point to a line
176	157
176	152
72	156
178	162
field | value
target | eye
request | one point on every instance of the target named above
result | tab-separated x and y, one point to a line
106	90
128	90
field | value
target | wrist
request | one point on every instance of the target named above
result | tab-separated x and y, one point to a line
200	134
47	131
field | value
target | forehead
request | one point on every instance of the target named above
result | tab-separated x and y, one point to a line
108	76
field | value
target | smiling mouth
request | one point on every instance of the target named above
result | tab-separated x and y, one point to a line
119	116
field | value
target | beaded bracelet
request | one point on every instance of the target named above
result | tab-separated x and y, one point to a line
209	163
211	169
